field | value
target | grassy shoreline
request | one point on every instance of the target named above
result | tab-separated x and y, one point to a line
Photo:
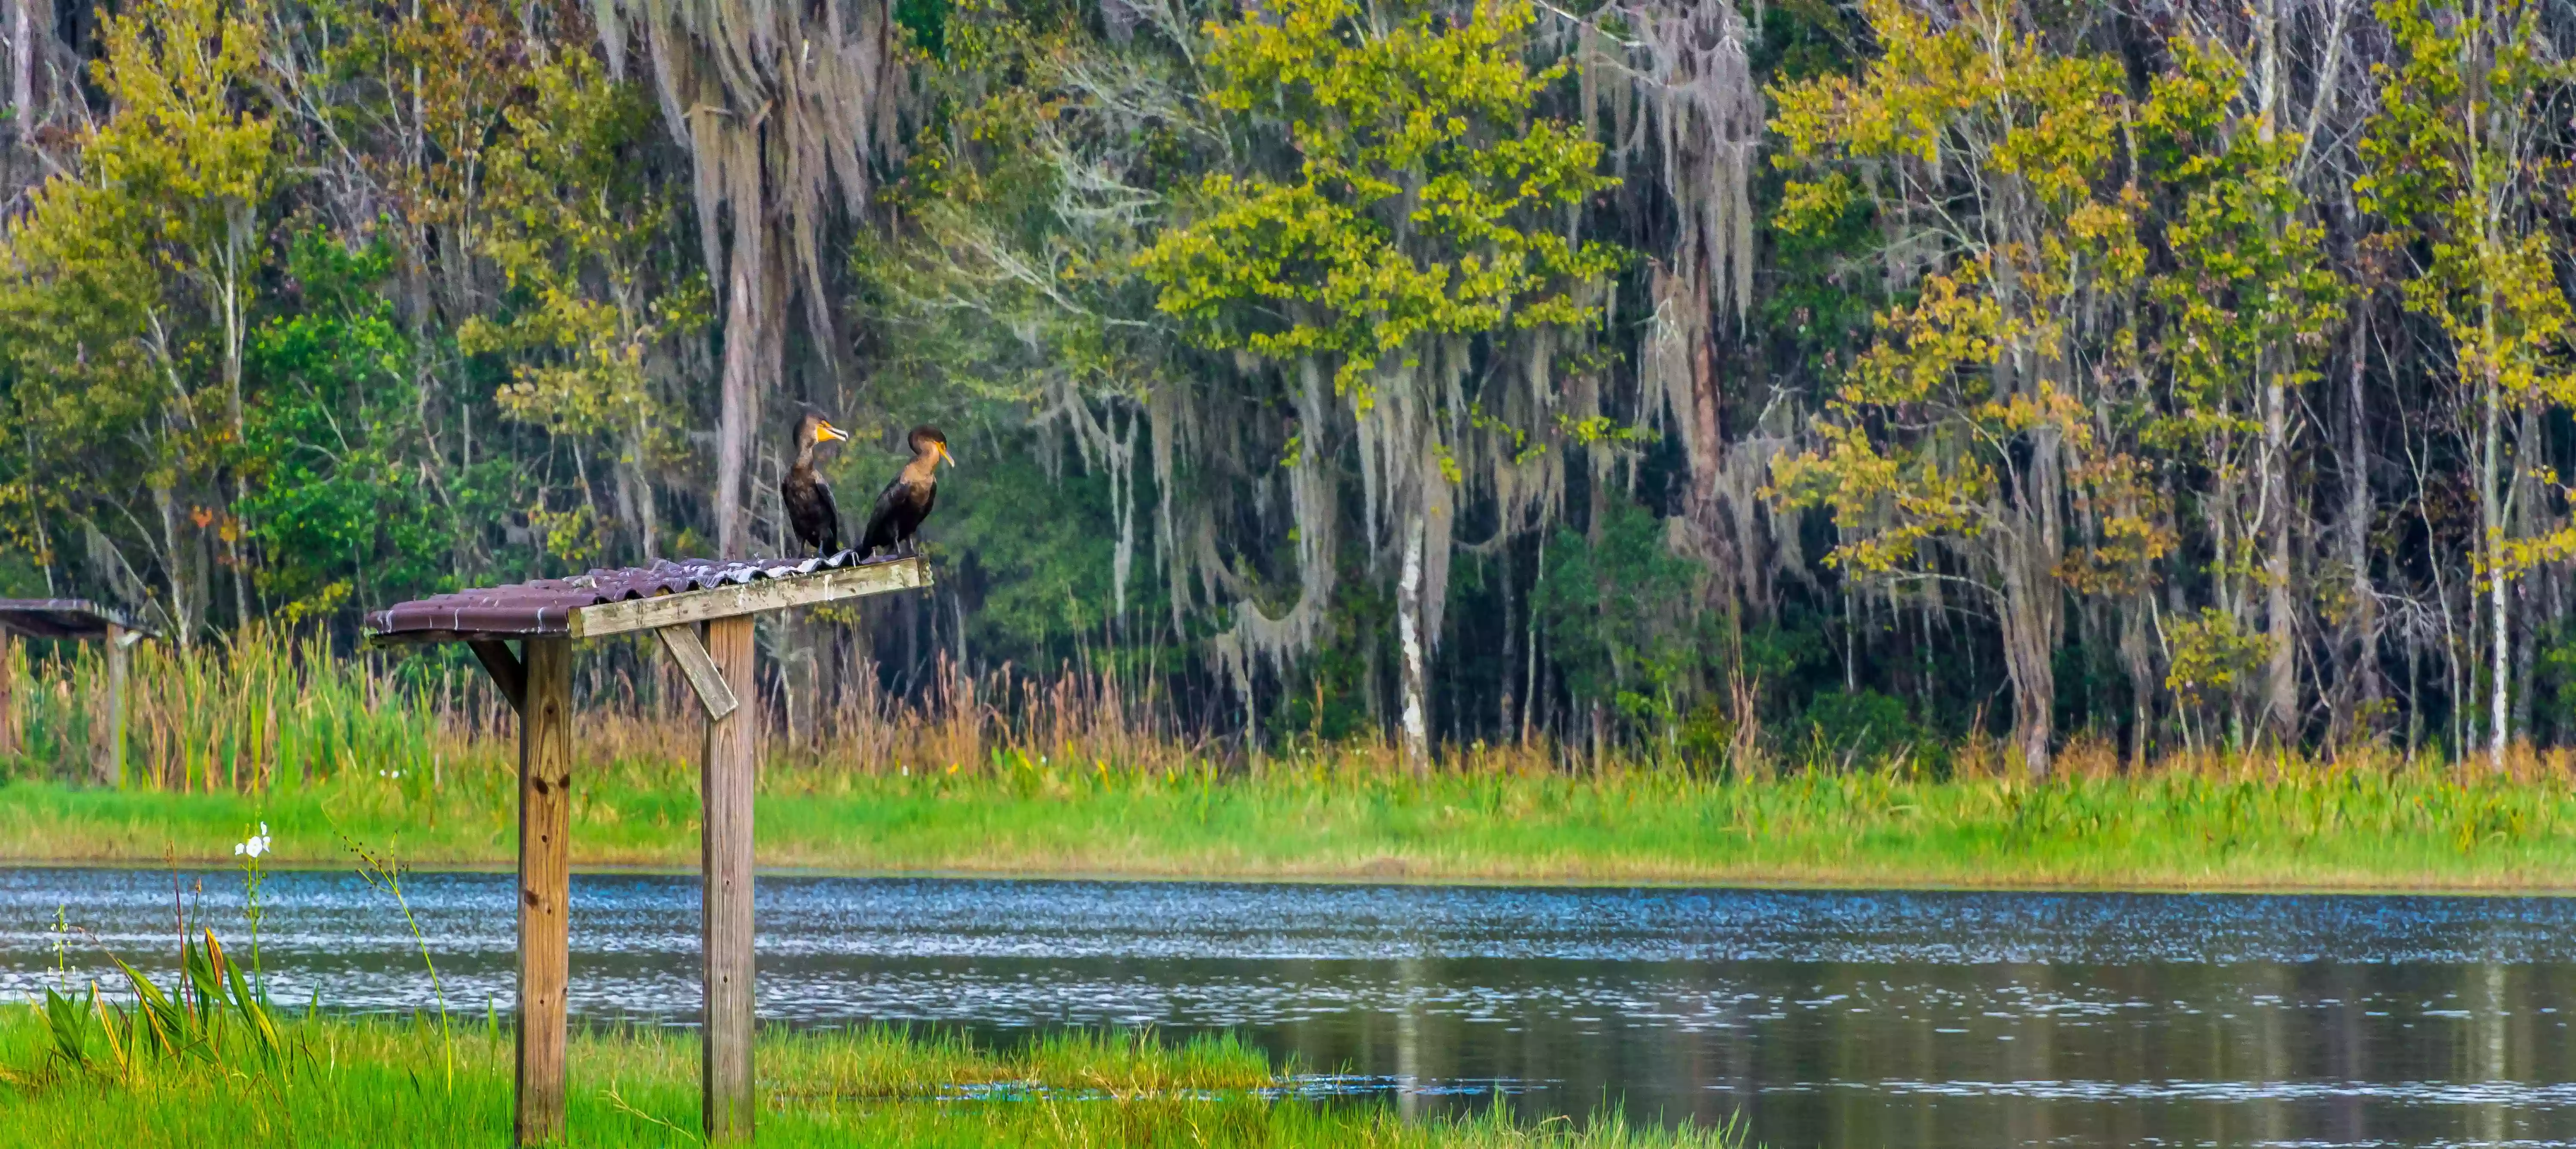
362	1081
1074	775
2309	828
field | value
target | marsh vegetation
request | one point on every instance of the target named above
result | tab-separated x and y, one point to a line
97	1074
1007	775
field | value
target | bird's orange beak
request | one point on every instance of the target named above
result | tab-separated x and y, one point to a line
825	432
945	457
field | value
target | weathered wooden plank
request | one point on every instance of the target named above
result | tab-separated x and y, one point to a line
545	886
510	678
704	679
732	741
749	598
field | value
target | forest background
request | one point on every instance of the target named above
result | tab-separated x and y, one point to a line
1672	379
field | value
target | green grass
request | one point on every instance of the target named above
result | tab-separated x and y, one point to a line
361	1083
413	758
2295	826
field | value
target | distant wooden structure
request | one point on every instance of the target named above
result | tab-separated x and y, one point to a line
76	619
702	612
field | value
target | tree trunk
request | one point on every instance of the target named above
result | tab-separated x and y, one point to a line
22	66
635	499
1531	644
2281	671
183	617
2363	679
2526	510
2500	626
2137	659
1704	442
2280	614
738	404
1505	712
1413	647
2033	606
2028	658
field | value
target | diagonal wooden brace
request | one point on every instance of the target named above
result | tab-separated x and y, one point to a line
699	669
508	676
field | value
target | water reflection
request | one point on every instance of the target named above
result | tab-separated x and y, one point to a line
1826	1018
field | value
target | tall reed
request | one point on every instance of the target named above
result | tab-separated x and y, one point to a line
262	711
270	710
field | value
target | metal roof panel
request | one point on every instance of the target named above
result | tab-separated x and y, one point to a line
64	618
543	608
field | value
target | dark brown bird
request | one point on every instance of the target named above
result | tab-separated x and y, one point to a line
810	511
906	501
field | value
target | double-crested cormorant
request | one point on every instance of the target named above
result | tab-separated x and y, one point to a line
810	512
906	501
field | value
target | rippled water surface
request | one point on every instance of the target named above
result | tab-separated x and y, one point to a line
1825	1018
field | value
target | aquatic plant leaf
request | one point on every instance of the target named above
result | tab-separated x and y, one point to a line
156	1014
69	1023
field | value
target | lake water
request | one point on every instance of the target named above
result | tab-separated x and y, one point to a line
1824	1018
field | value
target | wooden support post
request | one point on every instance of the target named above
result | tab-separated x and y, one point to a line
8	692
111	762
731	742
545	885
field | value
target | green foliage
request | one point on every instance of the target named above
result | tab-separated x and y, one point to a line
2214	659
1622	619
596	285
925	24
1041	550
211	1017
126	286
2558	680
2246	305
2034	142
1860	728
1423	200
341	510
2452	161
2067	322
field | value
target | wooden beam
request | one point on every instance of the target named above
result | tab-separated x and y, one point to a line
704	679
732	742
510	678
749	598
545	886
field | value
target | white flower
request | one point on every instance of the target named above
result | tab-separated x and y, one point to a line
257	845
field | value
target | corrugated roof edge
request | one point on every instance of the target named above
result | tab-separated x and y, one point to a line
66	618
543	607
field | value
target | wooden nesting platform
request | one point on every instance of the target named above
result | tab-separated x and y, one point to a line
76	619
68	618
702	611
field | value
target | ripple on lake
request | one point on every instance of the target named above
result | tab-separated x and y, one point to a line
1826	1017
